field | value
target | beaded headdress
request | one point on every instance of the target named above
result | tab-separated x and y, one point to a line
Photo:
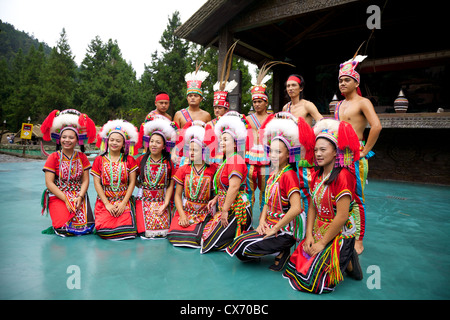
160	125
127	130
58	121
348	68
343	136
194	81
237	126
282	126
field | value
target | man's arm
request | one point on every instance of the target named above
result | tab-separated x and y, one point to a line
375	125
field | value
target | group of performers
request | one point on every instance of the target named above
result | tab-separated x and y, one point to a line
197	176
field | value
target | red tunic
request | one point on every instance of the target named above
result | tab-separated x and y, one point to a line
68	174
107	226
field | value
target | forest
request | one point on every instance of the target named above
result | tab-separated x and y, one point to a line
36	79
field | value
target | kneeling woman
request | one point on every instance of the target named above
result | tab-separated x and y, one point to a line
233	216
114	175
67	172
318	262
277	223
153	212
195	180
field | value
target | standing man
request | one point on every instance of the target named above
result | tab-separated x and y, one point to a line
257	161
194	96
298	106
162	103
358	111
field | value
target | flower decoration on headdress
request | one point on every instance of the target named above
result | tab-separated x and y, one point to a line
237	126
343	136
59	121
194	80
282	126
127	130
160	125
258	90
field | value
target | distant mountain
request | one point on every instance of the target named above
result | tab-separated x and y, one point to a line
11	40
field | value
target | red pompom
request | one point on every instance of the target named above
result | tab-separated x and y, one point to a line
306	138
347	138
47	125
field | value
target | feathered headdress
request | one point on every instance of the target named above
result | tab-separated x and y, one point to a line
237	126
258	90
222	87
282	126
58	121
126	129
194	80
343	136
161	125
195	131
348	68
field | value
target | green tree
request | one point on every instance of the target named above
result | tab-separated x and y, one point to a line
166	72
107	87
58	79
26	72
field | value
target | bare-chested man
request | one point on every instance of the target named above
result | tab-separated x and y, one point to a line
298	106
257	161
358	111
162	103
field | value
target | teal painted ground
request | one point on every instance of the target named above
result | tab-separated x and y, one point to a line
407	241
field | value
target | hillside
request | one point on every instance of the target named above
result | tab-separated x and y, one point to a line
11	40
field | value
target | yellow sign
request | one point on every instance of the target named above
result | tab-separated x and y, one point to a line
27	131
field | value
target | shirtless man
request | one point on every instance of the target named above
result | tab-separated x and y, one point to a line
257	161
358	111
192	112
194	96
298	106
162	103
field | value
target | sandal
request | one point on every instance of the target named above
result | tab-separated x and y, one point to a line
281	261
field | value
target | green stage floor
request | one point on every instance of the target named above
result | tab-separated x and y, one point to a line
406	253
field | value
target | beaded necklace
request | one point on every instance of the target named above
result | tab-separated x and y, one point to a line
152	183
111	174
191	180
70	167
274	179
218	173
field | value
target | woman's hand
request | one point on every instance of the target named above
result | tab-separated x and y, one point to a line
224	218
183	221
212	203
270	232
78	202
162	209
68	205
120	208
111	208
262	227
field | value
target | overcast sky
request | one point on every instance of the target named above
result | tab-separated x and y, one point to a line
137	25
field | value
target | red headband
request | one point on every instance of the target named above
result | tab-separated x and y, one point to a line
294	78
162	96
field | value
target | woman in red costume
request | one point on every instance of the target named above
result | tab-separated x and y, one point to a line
114	175
328	248
153	211
67	172
194	188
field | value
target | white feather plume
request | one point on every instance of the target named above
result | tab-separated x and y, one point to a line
199	75
128	127
162	125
